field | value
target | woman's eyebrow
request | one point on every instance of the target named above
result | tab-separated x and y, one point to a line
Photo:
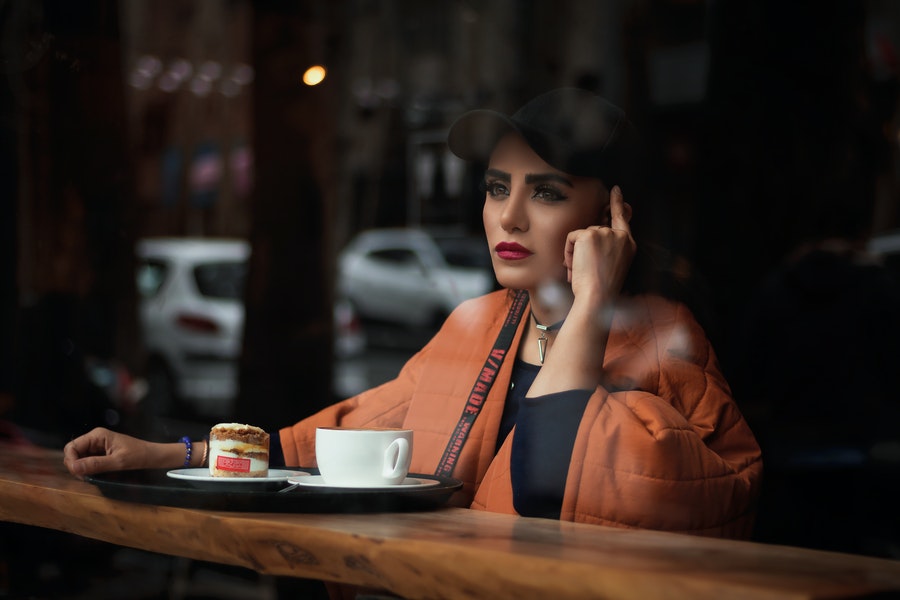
544	177
530	178
503	175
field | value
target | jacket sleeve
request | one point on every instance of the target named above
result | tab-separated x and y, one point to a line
382	406
665	447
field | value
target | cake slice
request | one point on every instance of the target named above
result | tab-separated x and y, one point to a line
238	450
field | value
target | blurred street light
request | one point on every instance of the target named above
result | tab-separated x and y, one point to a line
200	81
314	75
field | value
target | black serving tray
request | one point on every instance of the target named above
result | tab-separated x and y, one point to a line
153	486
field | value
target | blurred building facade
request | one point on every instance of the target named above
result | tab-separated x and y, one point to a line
400	72
189	77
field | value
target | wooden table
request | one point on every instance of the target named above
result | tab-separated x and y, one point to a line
448	553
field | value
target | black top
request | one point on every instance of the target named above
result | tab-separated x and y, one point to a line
542	447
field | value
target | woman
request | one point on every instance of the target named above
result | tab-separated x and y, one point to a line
560	396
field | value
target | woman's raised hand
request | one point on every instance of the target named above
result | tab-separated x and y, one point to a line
597	259
104	450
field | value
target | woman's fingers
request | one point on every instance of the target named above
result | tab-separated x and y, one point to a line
619	210
89	465
600	256
91	453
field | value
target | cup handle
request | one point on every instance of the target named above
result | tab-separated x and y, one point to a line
396	459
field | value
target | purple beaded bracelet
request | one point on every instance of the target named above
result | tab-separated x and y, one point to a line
187	451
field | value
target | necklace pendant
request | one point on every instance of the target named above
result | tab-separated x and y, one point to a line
542	346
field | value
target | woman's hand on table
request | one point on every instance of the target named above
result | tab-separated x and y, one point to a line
103	450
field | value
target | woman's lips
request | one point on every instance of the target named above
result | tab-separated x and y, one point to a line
511	251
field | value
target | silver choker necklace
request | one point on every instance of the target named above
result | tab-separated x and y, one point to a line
542	341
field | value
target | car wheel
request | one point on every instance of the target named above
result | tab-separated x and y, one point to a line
161	396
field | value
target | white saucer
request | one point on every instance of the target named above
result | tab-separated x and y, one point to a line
202	475
406	484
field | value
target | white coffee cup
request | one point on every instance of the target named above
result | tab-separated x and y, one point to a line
357	457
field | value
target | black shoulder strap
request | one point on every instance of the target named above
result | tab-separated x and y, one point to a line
482	386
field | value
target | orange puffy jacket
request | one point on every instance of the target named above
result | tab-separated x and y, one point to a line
661	444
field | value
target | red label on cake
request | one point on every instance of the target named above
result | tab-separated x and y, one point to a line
228	463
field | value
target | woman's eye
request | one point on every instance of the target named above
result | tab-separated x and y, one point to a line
495	189
548	194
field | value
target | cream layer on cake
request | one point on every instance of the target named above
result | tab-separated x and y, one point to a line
238	450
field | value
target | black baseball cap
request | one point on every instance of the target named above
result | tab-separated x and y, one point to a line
573	130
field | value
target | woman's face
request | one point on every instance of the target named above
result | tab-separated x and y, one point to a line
529	209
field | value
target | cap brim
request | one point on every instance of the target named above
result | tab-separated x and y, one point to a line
473	135
584	140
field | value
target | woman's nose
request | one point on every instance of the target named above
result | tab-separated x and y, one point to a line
515	214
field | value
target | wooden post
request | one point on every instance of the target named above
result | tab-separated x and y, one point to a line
287	358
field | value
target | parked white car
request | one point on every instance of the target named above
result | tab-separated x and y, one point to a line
191	316
885	247
412	277
885	244
192	320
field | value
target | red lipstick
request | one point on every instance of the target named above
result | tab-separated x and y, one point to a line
512	251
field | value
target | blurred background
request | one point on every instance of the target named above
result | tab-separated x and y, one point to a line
223	210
